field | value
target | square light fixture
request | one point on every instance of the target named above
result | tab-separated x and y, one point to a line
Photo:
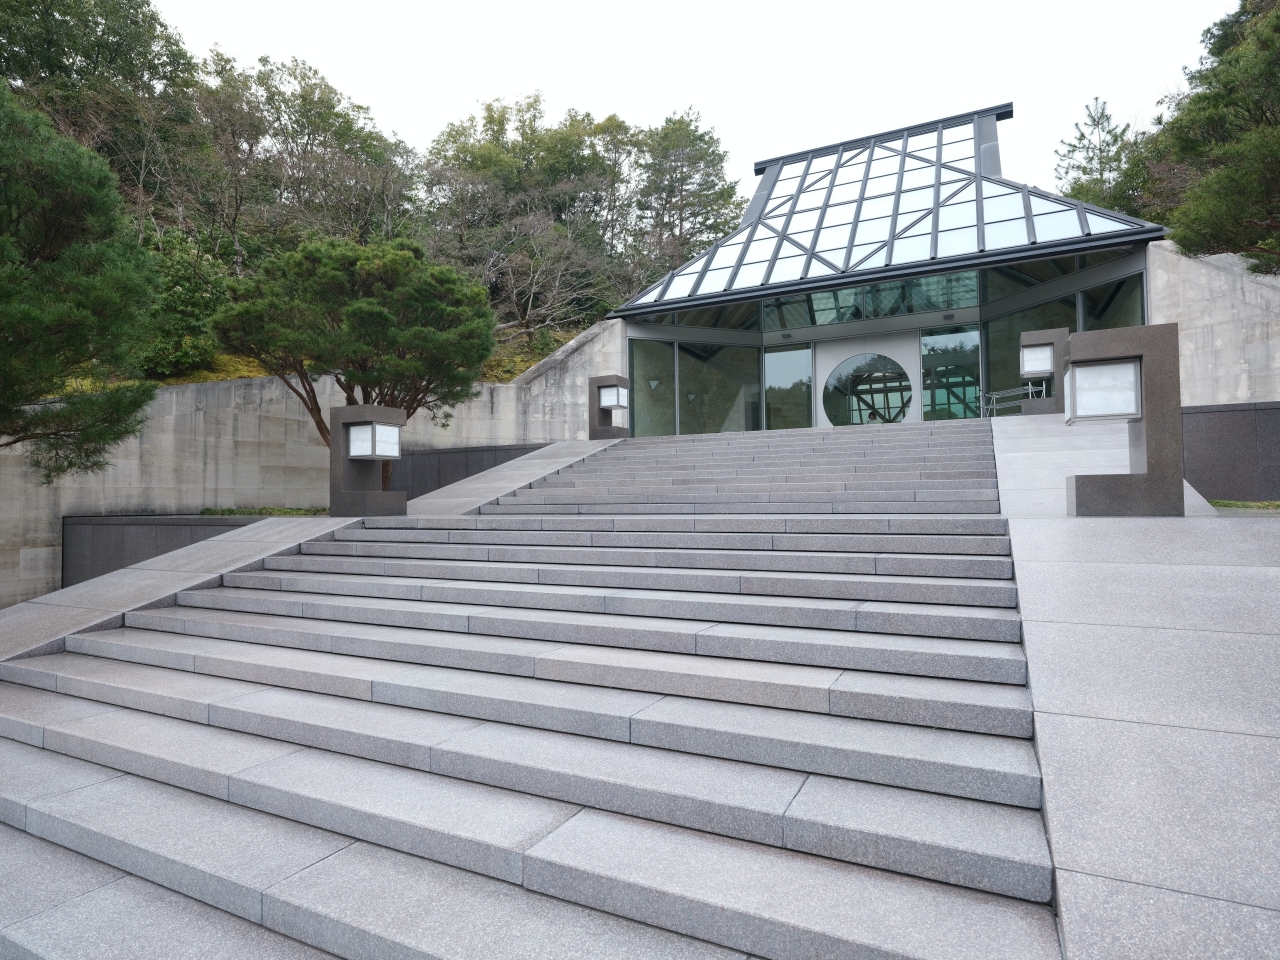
373	441
613	398
1104	391
1036	361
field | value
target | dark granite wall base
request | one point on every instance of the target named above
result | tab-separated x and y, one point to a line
92	546
418	472
1231	451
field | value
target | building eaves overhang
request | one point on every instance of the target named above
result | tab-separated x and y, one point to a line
914	201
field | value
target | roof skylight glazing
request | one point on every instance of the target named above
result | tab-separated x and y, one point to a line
899	199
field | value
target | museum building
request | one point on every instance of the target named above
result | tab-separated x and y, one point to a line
895	272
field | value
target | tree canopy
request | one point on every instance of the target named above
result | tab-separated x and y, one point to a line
392	328
75	292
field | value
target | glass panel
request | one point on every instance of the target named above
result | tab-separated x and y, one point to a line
651	295
953	243
680	286
775	222
804	239
694	268
950	176
916	200
868	388
923	177
803	221
1099	224
847	192
740	316
872	231
761	249
890	148
879	207
837	216
702	317
1103	256
719	388
992	189
947	291
953	152
1041	205
966	164
780	208
832	238
787	268
792	169
1001	347
787	313
815	180
714	281
957	215
838	306
1010	233
750	274
810	199
1006	207
911	249
726	256
875	260
924	140
951	373
788	387
954	195
1057	226
854	155
1013	278
653	388
962	132
819	269
822	163
923	225
785	188
885	167
878	186
1112	305
852	174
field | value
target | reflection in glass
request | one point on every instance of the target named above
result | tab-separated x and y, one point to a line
653	388
788	387
1000	342
951	373
787	313
868	388
1005	281
1114	304
948	291
719	388
837	306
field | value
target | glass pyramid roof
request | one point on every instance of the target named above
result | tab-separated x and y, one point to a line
909	201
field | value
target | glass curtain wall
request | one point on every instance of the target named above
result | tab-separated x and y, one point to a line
1111	305
952	373
719	388
1001	340
788	387
653	388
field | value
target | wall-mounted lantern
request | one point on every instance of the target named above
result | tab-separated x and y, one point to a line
373	441
1036	361
1040	358
613	398
1104	391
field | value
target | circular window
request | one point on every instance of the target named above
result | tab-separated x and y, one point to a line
868	388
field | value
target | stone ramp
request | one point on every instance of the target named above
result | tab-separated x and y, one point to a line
651	732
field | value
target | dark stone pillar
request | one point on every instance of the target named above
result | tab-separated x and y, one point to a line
355	486
1153	485
1057	339
600	425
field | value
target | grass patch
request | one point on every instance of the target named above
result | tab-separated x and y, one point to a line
1248	504
225	366
265	512
509	360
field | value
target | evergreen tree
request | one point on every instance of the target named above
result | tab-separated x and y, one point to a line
1091	166
75	292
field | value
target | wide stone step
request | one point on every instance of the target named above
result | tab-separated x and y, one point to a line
919	656
134	821
923	701
793	561
891	524
292	878
869	585
971	765
734	484
702	458
870	471
679	495
805	507
967	620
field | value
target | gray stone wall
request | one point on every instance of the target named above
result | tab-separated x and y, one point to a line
250	443
1229	324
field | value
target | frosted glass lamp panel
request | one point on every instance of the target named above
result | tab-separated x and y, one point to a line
1008	233
920	177
1099	224
1005	207
386	441
786	269
872	231
1057	226
1036	361
1105	390
963	131
877	207
750	275
1041	205
954	243
911	249
360	440
914	200
956	215
847	192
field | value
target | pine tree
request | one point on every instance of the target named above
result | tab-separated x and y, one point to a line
1091	165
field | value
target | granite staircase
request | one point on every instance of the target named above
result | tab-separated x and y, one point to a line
702	697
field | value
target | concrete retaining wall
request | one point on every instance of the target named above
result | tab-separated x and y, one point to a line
250	443
1232	451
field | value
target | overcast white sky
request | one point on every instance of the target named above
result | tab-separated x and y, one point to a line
771	78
